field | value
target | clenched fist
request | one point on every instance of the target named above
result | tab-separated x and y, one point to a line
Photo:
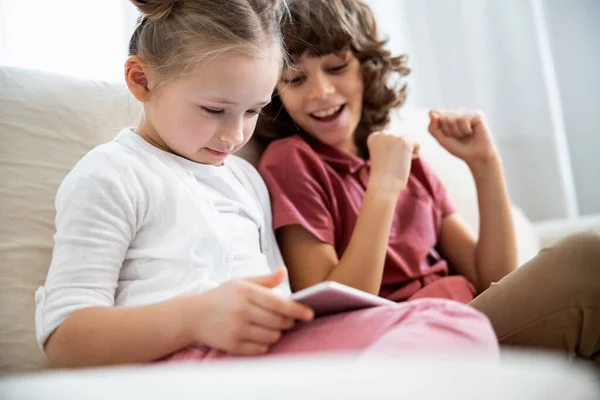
464	133
391	157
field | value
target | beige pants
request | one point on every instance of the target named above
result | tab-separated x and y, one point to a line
553	301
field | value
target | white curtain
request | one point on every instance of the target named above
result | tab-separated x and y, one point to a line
532	66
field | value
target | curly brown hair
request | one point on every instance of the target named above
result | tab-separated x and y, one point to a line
321	27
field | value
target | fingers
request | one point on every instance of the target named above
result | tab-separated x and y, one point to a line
416	150
437	129
434	125
248	348
267	319
464	126
269	281
434	117
260	334
449	126
455	124
388	140
275	303
477	119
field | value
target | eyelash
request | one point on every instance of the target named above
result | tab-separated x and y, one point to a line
294	81
255	112
299	79
339	68
212	111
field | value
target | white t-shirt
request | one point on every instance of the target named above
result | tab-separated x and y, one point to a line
136	225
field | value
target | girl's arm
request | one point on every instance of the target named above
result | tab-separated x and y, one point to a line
311	261
241	317
494	255
119	335
76	319
95	223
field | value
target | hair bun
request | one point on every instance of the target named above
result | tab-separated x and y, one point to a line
156	10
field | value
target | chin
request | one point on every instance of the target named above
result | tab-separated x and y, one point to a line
210	162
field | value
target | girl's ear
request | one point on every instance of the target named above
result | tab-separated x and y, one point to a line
136	77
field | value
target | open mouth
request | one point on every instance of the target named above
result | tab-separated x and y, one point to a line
329	114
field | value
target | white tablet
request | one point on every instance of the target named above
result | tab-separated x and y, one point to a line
332	297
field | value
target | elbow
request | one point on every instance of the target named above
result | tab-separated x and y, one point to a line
56	352
60	354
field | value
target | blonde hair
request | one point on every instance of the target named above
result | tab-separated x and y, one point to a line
174	37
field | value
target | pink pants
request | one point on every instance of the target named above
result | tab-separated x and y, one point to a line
419	325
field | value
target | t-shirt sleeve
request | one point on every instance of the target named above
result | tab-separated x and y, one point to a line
297	181
95	223
435	187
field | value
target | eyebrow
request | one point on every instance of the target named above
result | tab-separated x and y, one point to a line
233	103
289	69
296	65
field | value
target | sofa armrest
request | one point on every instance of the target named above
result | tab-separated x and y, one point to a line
553	230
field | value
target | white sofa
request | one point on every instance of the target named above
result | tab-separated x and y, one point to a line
47	122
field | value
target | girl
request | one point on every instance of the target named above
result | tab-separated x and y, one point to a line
354	204
163	246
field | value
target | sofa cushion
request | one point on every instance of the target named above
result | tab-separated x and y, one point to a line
47	123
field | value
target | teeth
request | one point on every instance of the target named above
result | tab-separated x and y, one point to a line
327	112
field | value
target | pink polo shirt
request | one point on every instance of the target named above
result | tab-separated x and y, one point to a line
322	188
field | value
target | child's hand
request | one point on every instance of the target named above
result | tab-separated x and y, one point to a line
246	317
391	157
464	133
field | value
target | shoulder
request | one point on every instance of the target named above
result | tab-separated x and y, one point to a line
290	153
103	163
283	149
109	169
